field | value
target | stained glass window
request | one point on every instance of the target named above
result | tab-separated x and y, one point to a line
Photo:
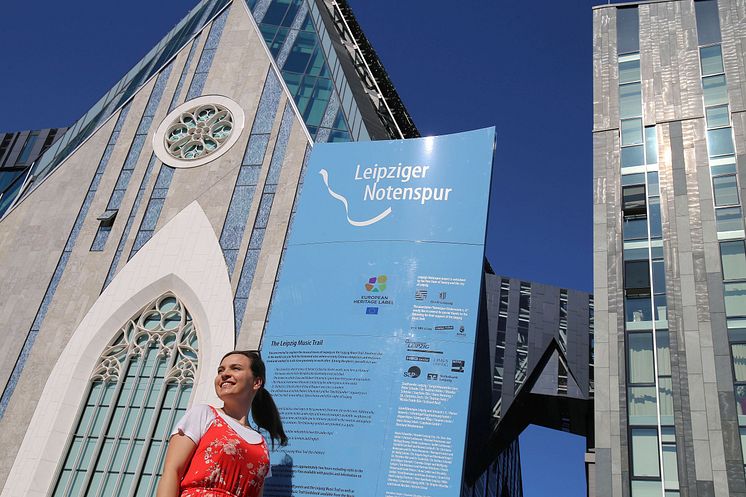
138	390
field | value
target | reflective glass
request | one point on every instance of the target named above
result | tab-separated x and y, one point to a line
645	452
62	483
715	90
638	309
152	461
633	200
654	210
108	393
633	179
98	422
665	394
137	446
641	368
664	352
635	254
637	275
720	142
644	488
651	145
276	11
718	116
642	406
661	307
740	391
739	361
743	443
629	71
630	100
301	52
708	22
728	219
103	458
27	147
726	190
77	483
723	165
712	60
631	132
635	228
633	156
670	469
653	186
89	447
733	257
73	452
735	299
659	277
627	29
736	324
120	454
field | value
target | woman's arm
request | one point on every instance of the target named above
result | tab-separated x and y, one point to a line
180	451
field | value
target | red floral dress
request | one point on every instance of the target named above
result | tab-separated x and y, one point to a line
225	464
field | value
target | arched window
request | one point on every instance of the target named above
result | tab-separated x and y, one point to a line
138	390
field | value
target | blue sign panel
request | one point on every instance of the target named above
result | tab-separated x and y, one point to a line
370	342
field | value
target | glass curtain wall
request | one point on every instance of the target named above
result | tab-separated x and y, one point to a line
294	41
726	198
652	442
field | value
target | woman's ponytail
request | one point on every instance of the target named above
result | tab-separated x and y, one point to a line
265	414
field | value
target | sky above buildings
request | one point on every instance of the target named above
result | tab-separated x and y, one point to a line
524	68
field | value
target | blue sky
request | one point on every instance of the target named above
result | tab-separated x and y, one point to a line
523	67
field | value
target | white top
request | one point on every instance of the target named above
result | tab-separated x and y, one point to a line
198	419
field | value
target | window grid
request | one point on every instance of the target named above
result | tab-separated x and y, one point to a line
139	388
295	42
649	395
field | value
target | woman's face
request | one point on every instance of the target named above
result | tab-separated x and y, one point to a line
235	378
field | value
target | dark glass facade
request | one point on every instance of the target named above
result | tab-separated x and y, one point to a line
534	364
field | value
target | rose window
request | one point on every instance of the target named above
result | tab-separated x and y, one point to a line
199	132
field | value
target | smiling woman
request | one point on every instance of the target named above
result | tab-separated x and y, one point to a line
215	450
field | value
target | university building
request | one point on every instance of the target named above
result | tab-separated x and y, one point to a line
669	258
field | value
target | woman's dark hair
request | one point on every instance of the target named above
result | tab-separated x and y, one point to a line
263	408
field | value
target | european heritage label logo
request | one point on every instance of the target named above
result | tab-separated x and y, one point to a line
376	284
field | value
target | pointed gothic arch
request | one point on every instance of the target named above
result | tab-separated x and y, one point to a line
183	258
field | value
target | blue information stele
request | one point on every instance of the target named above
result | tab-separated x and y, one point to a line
370	342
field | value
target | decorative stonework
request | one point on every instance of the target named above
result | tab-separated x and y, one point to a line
198	131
